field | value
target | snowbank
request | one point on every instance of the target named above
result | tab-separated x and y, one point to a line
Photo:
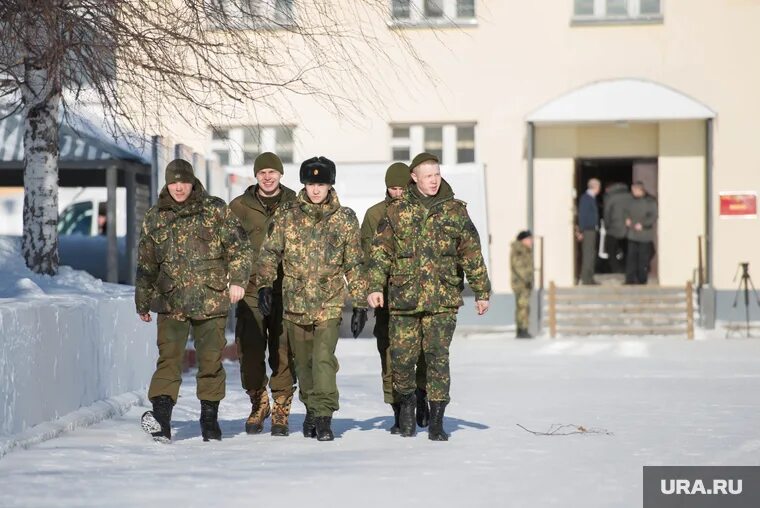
65	343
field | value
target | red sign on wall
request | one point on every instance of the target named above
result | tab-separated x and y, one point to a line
738	204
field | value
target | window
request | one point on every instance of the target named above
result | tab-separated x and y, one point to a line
433	11
434	141
465	144
239	146
452	143
401	9
617	10
247	14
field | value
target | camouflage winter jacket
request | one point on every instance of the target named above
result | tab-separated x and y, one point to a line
425	252
369	225
256	218
521	265
187	255
319	248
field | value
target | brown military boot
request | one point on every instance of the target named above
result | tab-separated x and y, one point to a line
259	411
280	413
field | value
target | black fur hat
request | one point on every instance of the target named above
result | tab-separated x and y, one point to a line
318	170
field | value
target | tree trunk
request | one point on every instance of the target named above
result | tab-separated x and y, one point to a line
42	97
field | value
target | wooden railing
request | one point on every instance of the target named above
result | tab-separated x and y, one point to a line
689	310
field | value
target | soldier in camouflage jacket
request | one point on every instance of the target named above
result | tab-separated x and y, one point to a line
423	247
193	261
521	266
396	181
317	241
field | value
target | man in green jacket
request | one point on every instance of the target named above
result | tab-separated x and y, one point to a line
317	241
423	248
521	266
254	332
397	179
193	260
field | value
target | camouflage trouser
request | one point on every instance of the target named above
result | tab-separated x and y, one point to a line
431	334
254	334
316	364
208	336
522	308
380	331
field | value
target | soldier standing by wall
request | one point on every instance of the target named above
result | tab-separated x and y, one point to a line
254	332
423	248
193	261
396	180
317	241
521	263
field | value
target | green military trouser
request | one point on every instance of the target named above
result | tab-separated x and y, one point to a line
316	365
522	308
254	334
208	335
382	319
431	334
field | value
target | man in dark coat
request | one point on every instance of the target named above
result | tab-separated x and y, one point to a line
615	199
641	217
588	223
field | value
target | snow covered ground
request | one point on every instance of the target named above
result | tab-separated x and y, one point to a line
665	401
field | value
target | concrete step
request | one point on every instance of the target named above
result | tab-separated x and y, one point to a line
613	298
618	309
643	330
632	290
618	321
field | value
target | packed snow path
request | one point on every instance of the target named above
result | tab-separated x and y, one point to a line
666	402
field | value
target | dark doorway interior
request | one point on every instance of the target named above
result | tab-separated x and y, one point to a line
611	171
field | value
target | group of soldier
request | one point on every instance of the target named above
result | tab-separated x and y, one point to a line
285	261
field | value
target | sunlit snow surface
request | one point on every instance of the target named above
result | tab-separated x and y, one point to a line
666	401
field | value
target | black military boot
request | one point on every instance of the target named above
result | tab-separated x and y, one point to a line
436	432
209	424
396	410
324	432
309	425
406	421
423	411
157	423
522	333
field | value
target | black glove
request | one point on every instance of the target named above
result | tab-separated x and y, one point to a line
358	320
265	301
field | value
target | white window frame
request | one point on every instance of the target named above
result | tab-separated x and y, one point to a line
416	140
273	19
234	144
417	16
633	15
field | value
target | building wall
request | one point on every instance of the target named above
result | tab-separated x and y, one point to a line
519	56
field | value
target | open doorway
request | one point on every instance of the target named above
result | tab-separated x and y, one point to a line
615	175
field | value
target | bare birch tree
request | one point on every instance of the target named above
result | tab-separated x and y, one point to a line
144	60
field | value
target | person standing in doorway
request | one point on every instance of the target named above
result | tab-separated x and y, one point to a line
615	199
521	264
588	223
641	218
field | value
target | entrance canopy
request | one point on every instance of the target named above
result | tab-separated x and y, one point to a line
621	100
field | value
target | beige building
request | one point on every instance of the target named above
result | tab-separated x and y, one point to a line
543	95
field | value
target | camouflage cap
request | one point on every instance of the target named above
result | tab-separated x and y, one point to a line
318	170
397	175
179	170
267	160
423	157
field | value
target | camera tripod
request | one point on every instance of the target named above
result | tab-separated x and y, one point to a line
746	283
